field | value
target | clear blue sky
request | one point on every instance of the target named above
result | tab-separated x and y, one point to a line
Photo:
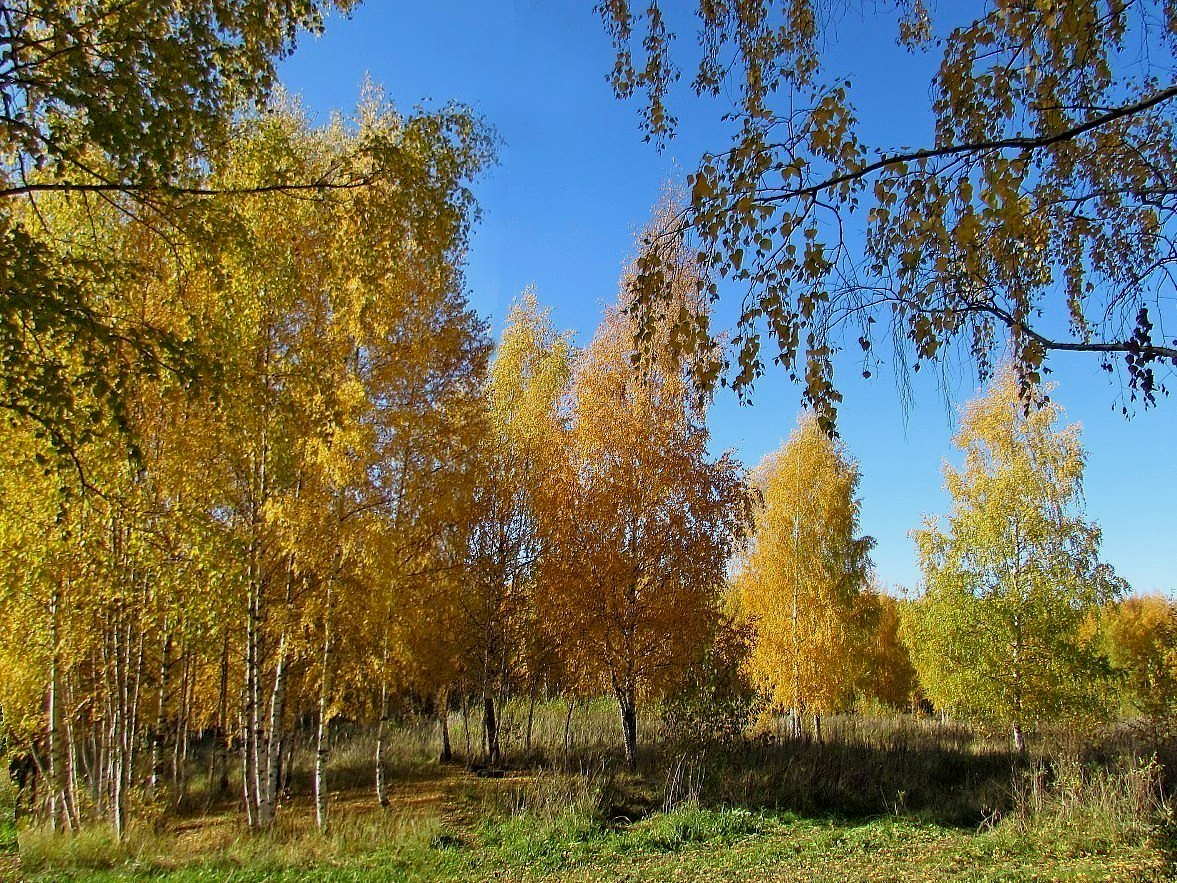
575	181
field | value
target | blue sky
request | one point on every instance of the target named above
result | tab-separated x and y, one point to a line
575	182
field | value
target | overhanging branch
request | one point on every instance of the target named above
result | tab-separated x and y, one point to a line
1147	351
170	190
1019	142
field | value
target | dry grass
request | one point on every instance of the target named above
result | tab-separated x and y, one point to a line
579	799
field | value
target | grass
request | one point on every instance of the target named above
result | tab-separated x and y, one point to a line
687	844
894	799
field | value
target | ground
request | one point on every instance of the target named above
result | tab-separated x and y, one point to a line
445	823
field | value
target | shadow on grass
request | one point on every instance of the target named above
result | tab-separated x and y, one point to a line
949	786
937	773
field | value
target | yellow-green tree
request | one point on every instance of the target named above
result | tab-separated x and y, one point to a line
516	464
352	348
801	579
1012	574
122	103
290	503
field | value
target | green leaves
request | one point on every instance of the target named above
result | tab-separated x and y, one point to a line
1003	632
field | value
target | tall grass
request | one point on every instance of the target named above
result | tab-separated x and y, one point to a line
1064	795
293	842
7	812
573	787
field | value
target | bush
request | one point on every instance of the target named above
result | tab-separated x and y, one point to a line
716	700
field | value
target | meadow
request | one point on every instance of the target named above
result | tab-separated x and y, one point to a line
881	797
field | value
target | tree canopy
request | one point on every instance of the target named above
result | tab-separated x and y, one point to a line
299	496
1042	209
801	580
648	520
127	104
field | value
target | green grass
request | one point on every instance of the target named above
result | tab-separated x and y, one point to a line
8	839
688	844
9	860
889	799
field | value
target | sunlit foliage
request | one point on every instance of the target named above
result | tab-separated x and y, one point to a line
801	580
1012	574
1040	208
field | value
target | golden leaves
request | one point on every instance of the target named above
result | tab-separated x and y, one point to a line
800	580
1042	202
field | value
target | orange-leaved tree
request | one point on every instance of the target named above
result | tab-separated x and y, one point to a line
647	522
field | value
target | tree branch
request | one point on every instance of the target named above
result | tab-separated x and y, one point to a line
163	189
1149	352
1019	142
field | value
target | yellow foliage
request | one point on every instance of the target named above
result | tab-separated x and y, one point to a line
800	581
1141	637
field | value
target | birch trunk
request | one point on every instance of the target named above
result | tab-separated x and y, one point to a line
157	735
250	722
56	754
627	703
568	726
491	727
530	721
447	751
268	805
219	772
381	728
323	735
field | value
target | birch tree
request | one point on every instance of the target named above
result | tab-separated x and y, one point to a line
801	579
1012	574
266	514
647	519
505	542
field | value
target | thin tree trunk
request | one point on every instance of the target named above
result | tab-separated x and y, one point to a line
72	751
447	752
568	725
287	764
530	720
322	737
627	703
157	736
180	752
273	770
250	721
381	731
466	722
491	727
120	736
118	754
53	710
382	724
119	802
220	765
136	692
